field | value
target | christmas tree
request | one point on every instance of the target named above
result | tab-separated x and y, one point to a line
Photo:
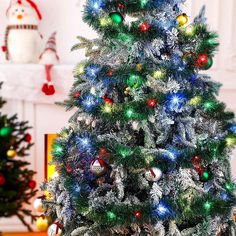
147	151
17	186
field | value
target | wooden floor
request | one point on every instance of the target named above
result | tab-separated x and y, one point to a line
24	234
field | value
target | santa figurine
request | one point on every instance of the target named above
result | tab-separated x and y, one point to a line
22	38
49	58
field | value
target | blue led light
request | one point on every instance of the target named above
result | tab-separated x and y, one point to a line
233	128
90	102
95	6
176	102
224	196
92	71
171	153
85	143
162	210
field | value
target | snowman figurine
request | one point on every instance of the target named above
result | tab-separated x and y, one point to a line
23	42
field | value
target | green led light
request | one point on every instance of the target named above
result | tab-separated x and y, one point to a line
58	149
209	105
124	37
111	215
129	113
5	131
124	152
143	3
135	81
207	205
229	186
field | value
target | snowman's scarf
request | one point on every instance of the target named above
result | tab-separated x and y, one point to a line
15	27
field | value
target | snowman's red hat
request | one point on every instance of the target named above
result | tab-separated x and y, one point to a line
29	3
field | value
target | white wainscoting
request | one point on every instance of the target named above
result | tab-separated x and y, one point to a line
23	83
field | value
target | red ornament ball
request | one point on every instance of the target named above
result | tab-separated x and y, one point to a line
202	60
121	6
138	214
77	94
69	169
196	160
32	184
28	138
108	100
2	180
151	102
144	27
98	167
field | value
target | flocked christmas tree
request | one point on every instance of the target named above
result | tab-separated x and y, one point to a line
147	151
17	186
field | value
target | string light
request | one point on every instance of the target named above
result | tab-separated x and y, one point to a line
135	81
95	6
176	102
92	71
162	210
171	153
80	69
107	108
85	143
158	74
151	102
207	206
230	141
144	27
89	103
111	216
105	21
58	149
195	101
143	3
190	30
130	113
233	128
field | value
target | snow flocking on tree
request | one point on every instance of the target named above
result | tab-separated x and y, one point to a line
147	150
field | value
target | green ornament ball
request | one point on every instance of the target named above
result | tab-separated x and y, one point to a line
5	131
135	81
209	63
205	176
116	17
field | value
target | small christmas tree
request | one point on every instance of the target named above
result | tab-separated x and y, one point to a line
147	151
17	186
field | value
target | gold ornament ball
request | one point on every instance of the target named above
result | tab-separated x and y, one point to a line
182	19
42	224
11	153
139	67
127	91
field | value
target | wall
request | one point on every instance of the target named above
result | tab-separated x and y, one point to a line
58	15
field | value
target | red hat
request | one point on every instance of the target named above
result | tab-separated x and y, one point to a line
31	3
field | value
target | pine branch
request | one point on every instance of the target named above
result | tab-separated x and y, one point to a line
21	218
